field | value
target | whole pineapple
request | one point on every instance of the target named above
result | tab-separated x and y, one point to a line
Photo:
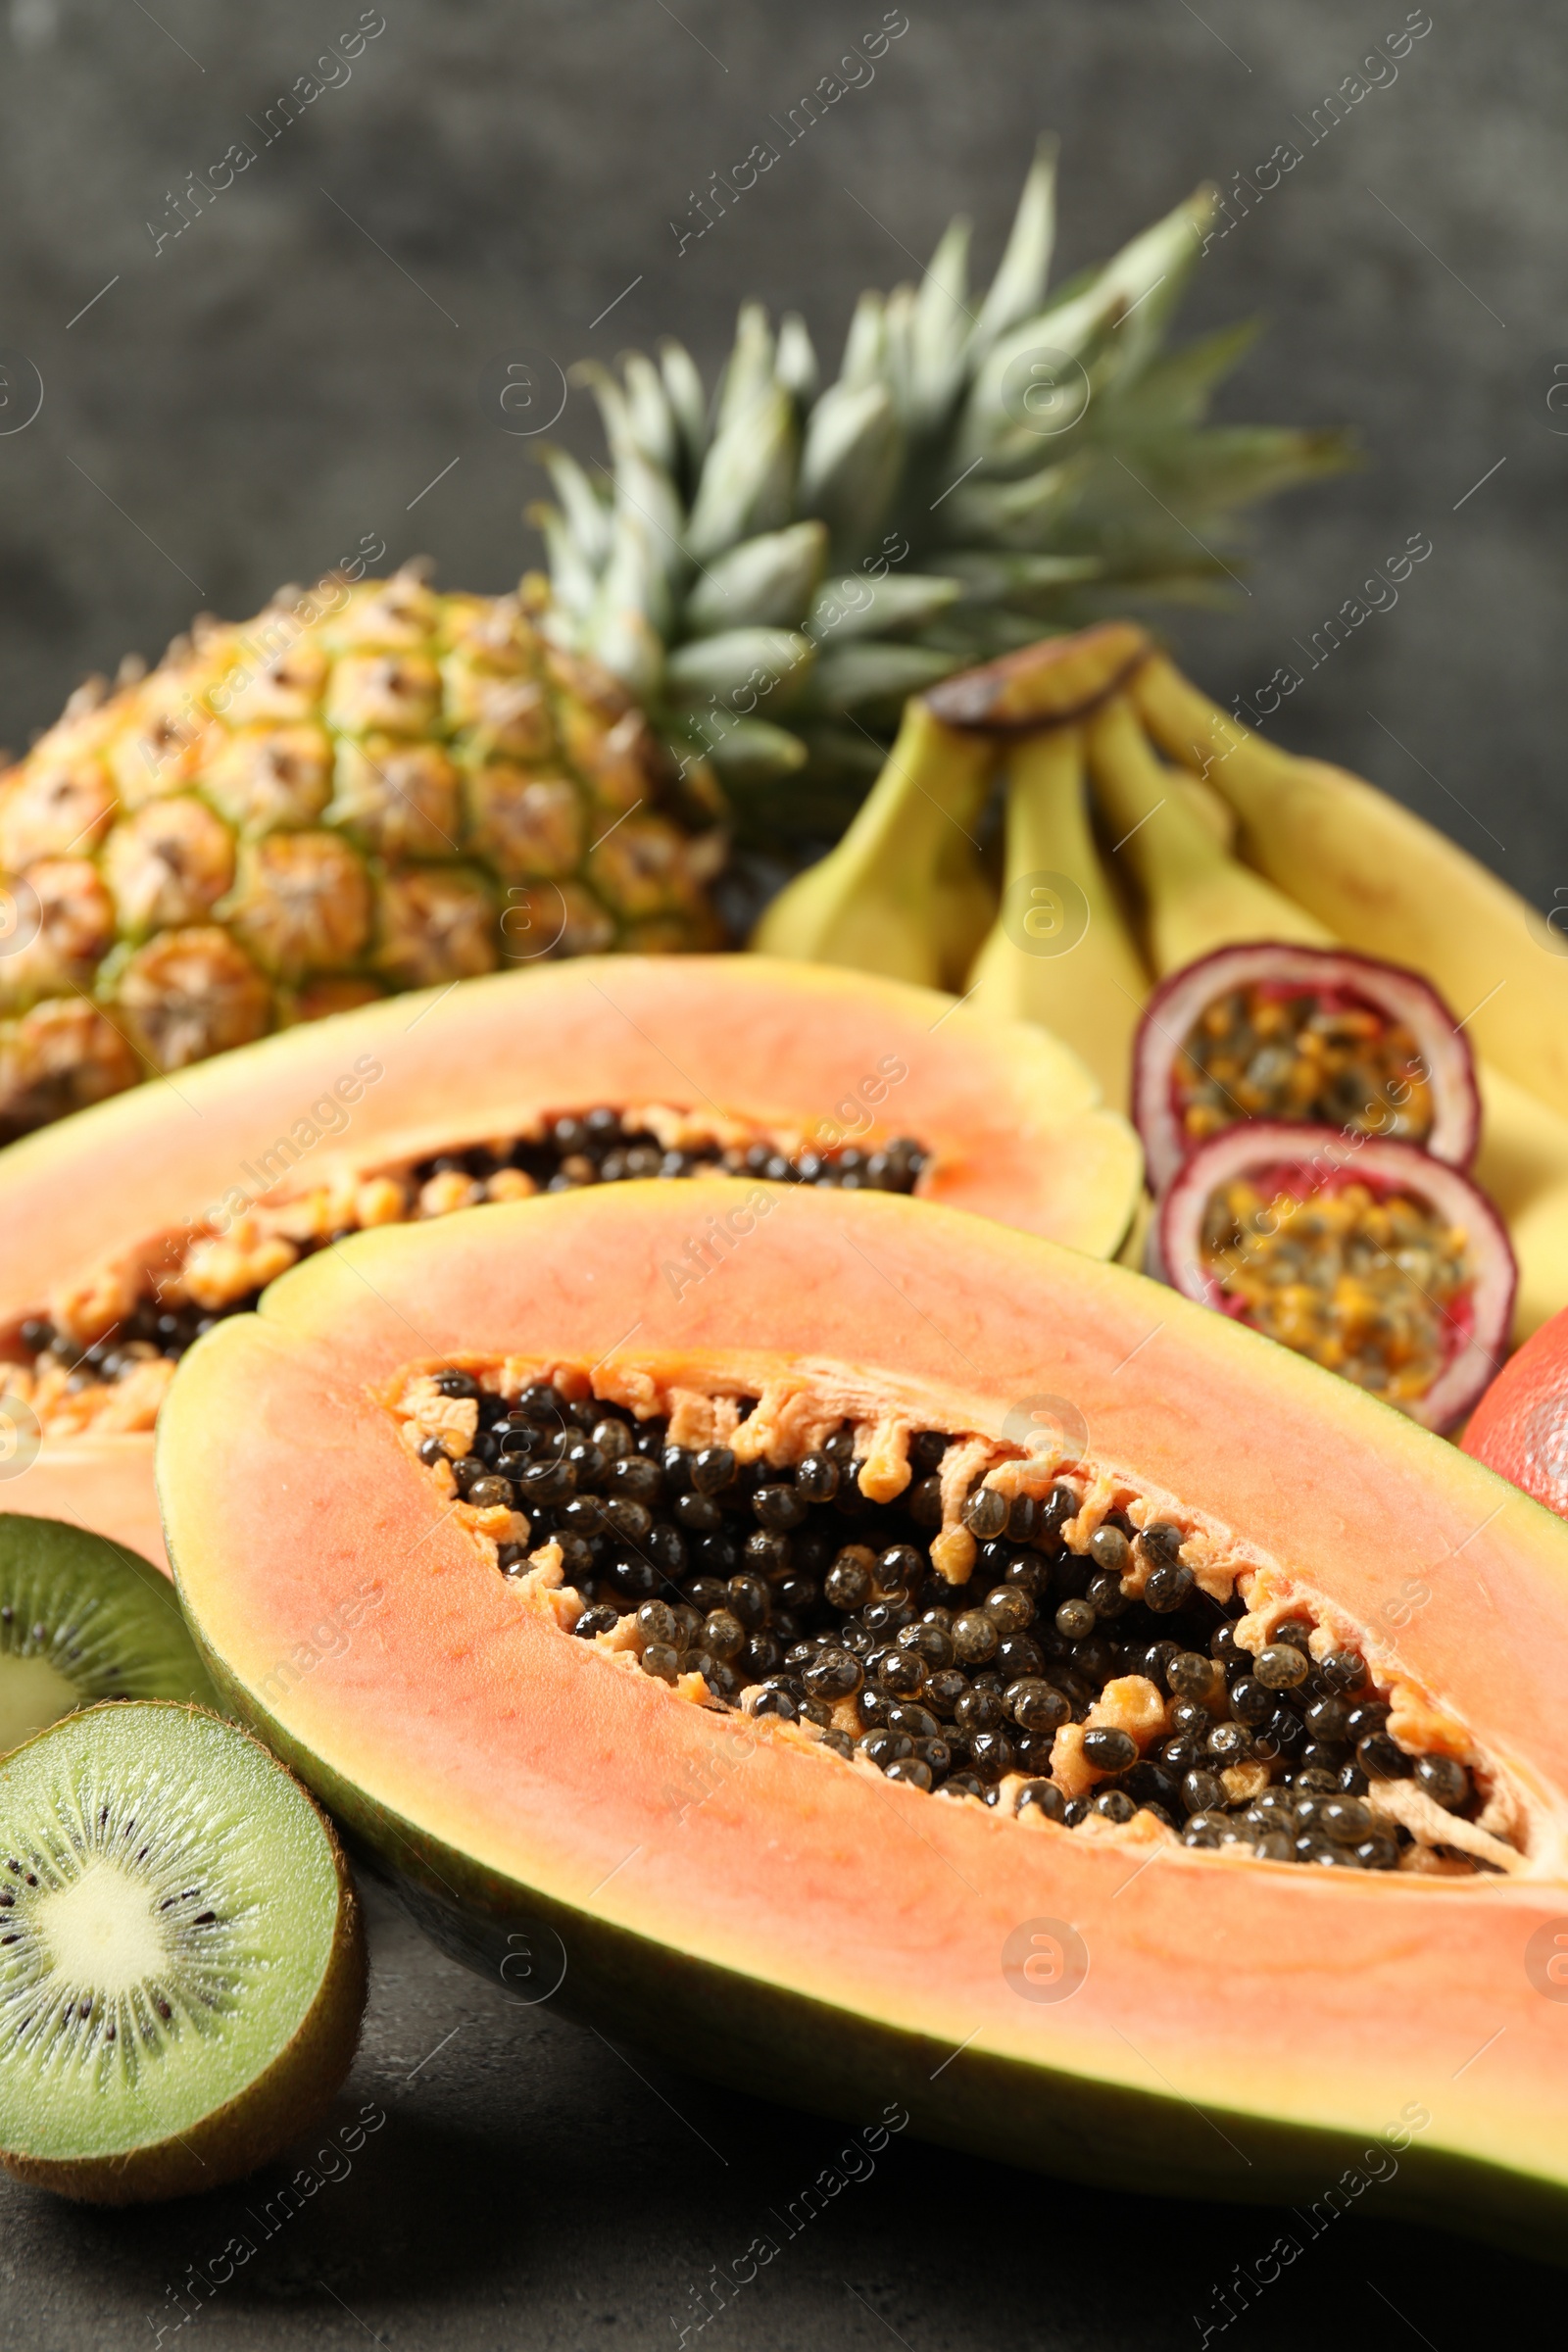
367	787
774	572
376	787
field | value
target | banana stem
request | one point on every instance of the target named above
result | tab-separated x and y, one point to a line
869	903
1186	726
1059	953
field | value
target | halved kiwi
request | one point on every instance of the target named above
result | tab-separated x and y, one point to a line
83	1619
181	1955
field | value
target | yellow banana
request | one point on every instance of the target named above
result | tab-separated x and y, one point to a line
1040	963
1196	897
898	894
1210	807
868	902
963	907
1523	1166
1383	879
1134	1251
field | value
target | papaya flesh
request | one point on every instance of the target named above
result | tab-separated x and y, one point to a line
104	1484
1118	2006
168	1203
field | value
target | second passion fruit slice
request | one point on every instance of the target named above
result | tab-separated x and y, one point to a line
1375	1259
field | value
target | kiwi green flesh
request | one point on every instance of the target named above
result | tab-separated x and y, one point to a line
83	1619
181	1971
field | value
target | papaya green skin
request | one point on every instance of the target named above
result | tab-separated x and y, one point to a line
826	2048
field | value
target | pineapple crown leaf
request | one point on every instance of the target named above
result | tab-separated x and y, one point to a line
797	360
683	388
1018	288
997	454
1176	386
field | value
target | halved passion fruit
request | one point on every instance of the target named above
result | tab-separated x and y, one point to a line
858	1647
1375	1259
132	1226
1316	1035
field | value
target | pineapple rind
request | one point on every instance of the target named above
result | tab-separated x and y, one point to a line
376	786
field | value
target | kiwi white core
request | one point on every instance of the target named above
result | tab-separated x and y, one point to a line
101	1932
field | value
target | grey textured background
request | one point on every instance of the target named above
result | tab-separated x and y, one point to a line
270	387
243	406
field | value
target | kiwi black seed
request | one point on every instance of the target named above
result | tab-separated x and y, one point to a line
83	1619
182	1972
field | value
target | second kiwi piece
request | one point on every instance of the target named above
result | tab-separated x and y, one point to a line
83	1619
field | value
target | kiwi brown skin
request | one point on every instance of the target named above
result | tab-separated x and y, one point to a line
281	2105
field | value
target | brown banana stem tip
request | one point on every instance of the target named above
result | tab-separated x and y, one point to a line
1042	685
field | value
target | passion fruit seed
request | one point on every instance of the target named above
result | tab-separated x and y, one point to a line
1263	1052
737	1574
1370	1284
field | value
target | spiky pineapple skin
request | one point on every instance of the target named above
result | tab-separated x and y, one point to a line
368	787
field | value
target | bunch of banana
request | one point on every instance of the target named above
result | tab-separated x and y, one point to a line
1211	836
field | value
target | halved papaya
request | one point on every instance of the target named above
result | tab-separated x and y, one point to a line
681	1812
132	1225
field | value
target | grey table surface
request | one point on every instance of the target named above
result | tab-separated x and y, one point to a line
533	2183
240	406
